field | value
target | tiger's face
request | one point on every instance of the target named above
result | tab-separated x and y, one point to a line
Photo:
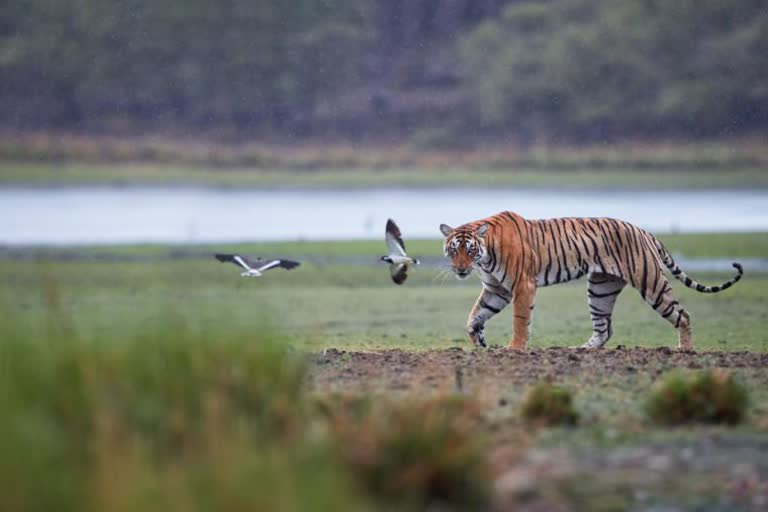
465	247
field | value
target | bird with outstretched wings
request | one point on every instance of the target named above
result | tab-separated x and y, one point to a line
258	267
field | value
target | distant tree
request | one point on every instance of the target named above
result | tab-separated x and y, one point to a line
233	61
604	68
579	68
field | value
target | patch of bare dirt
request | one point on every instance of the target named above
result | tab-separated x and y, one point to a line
455	368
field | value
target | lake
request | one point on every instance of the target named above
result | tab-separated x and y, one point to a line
133	214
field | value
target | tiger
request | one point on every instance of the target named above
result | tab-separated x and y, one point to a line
514	256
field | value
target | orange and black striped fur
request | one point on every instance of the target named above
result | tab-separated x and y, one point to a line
514	256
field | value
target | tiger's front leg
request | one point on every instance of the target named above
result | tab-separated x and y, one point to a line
488	304
523	301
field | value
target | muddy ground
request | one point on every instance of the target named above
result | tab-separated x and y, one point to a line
615	459
499	369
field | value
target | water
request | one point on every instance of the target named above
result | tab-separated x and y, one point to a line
108	215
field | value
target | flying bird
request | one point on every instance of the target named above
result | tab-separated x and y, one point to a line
398	260
258	267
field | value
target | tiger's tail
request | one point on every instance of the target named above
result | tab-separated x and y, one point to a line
690	283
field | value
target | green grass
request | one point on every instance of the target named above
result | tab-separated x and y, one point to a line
321	305
696	245
718	245
586	176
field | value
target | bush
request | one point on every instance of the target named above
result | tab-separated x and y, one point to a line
703	397
413	455
549	404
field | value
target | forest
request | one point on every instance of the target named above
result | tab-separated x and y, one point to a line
440	70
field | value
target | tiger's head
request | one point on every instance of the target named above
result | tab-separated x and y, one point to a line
465	246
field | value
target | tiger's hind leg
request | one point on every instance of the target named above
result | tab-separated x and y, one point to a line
602	291
665	304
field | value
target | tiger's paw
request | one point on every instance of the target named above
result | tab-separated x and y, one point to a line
594	344
477	337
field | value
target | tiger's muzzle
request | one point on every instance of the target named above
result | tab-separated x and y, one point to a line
462	272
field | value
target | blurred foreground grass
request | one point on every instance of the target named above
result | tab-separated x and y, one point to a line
170	417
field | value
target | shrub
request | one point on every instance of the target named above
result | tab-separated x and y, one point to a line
702	397
549	404
413	455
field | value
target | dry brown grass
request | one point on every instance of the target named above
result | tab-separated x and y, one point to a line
308	155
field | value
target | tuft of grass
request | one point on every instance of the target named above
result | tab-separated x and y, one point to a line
415	454
549	404
702	397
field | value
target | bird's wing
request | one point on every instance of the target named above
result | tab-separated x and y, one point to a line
286	264
399	273
268	265
242	262
394	239
234	258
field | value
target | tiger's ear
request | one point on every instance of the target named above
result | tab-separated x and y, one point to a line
482	230
446	230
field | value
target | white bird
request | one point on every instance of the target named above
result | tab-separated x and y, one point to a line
398	260
257	268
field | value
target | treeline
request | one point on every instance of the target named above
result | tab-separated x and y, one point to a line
420	69
175	62
602	67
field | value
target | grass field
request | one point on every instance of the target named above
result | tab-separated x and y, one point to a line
690	245
128	375
335	301
335	310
